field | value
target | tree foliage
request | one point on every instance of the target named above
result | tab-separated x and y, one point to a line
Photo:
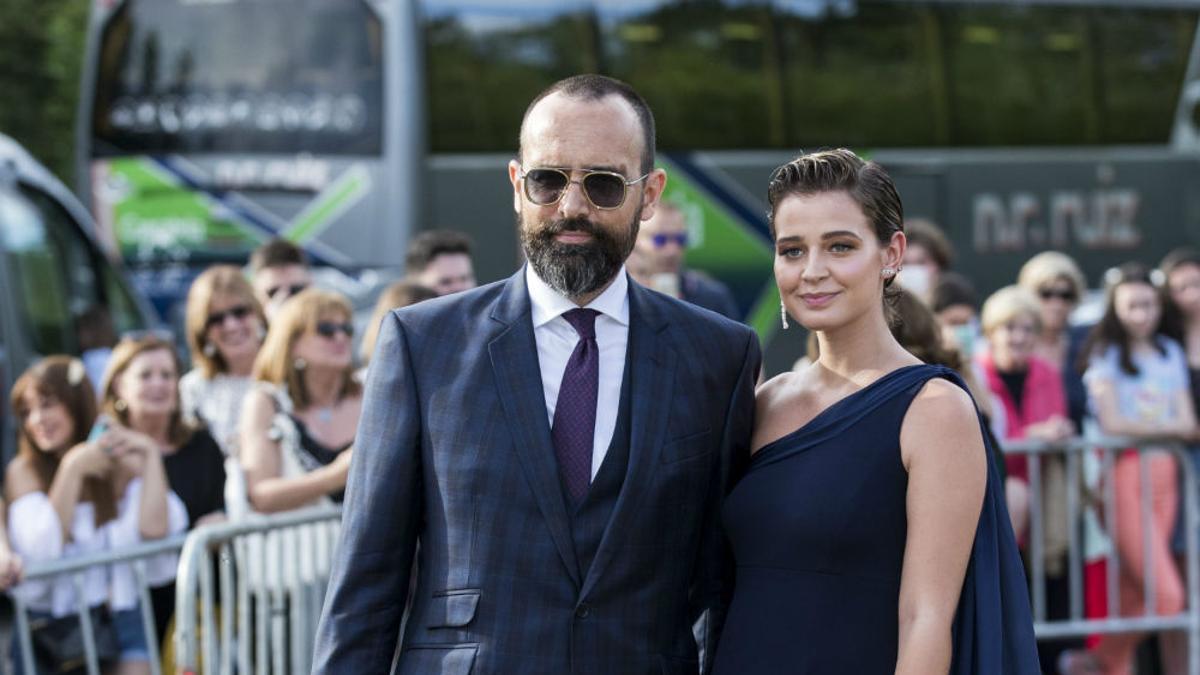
41	53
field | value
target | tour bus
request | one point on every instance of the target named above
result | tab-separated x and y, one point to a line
346	125
56	285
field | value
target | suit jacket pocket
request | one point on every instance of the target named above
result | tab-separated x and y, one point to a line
457	659
452	609
686	447
677	665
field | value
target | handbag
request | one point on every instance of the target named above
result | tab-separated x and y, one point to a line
58	642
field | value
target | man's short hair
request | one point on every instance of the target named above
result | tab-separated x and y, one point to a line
591	87
921	232
953	289
277	252
432	243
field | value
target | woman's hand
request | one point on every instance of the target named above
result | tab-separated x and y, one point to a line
1052	430
90	459
123	441
11	567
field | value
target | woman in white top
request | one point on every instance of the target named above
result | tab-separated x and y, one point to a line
69	496
225	328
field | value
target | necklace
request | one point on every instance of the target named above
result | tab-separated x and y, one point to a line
325	415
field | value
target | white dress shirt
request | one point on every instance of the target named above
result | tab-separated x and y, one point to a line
556	340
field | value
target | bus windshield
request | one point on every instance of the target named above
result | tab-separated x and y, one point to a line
785	74
218	76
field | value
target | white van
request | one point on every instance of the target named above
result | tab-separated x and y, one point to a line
54	277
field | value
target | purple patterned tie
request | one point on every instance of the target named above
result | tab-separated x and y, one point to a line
575	413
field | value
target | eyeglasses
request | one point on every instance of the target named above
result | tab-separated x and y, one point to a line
238	312
1066	295
604	189
294	289
661	240
329	329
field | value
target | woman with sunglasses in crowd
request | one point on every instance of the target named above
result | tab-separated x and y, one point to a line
299	420
1058	284
1137	387
225	328
74	490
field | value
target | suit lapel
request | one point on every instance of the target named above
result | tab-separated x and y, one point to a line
518	378
652	372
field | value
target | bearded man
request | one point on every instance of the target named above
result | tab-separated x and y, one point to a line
556	445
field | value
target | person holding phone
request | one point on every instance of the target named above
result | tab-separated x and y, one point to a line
71	496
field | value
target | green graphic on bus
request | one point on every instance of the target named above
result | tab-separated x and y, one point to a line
727	248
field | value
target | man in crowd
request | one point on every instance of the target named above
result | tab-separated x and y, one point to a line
657	262
441	260
278	270
547	440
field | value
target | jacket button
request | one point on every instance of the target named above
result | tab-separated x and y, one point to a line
583	612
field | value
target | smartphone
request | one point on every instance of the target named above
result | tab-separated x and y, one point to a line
98	428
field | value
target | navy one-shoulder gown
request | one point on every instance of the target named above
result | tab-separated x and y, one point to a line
818	528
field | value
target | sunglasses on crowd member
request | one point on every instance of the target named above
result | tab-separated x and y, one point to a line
1064	294
294	289
661	240
329	329
604	189
238	312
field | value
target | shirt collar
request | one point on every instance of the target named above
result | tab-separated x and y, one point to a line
548	304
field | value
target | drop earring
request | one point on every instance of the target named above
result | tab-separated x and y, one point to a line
299	363
210	350
783	315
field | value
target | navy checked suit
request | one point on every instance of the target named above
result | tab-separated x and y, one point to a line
454	453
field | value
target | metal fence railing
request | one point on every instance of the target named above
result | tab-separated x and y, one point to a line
271	577
76	568
1087	471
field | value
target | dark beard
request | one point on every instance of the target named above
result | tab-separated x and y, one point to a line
577	270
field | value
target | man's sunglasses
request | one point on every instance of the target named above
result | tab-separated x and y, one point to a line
1061	294
661	240
294	289
238	312
604	189
330	329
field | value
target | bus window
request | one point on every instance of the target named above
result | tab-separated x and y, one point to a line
861	74
485	63
710	71
267	76
58	276
37	274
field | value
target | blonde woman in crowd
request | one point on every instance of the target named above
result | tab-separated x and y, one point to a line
1058	284
399	294
225	328
300	418
1028	388
141	393
71	496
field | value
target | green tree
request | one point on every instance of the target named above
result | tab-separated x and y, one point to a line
41	53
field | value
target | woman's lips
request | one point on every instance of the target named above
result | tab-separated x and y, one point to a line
817	300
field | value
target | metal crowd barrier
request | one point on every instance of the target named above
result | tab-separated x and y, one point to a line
135	556
272	575
1096	460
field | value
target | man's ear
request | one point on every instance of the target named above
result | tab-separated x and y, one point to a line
514	176
652	191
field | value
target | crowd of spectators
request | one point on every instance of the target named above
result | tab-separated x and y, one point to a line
126	446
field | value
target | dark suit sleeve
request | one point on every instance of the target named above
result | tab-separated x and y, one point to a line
714	583
369	582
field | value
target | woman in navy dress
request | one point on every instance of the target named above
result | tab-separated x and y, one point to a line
869	531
